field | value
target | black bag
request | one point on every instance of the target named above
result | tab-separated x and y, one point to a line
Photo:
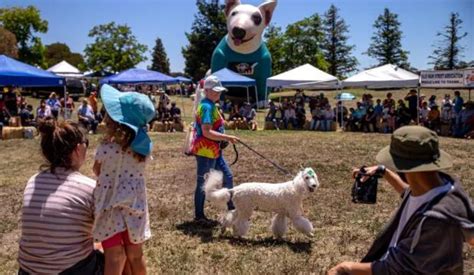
223	144
365	192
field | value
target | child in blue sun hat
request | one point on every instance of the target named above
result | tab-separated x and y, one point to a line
121	209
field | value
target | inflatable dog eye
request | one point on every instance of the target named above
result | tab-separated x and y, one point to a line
242	50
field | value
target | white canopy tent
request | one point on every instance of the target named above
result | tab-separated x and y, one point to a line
304	77
65	69
386	76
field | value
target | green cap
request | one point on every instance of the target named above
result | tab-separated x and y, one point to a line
414	149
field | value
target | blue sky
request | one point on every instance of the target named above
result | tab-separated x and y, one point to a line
71	20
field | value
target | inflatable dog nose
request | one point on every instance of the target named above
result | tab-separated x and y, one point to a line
238	33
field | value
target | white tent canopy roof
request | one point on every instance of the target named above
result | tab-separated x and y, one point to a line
65	69
304	76
386	76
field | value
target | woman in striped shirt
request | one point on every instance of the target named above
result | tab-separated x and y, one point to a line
57	214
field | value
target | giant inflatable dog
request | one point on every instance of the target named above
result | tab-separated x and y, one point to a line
242	49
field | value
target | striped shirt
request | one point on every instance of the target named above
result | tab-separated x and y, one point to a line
57	219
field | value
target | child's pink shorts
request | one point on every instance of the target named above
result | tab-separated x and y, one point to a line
120	238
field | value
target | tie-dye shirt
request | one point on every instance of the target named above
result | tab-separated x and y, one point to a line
207	113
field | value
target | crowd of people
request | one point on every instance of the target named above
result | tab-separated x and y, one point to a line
293	112
16	111
448	117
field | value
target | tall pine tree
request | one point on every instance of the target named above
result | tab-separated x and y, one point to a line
336	51
302	43
386	44
448	53
160	61
208	28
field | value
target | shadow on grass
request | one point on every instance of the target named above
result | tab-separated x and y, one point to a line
297	247
197	229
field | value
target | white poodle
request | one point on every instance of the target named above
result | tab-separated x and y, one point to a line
285	199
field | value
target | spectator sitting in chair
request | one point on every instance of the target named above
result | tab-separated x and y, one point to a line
328	118
55	105
289	116
43	111
249	115
271	111
234	113
86	116
300	116
369	121
26	115
175	113
317	117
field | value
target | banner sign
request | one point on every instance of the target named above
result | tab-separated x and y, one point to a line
442	79
469	78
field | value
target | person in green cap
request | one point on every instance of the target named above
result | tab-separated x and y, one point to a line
426	234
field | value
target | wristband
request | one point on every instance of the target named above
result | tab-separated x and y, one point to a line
380	170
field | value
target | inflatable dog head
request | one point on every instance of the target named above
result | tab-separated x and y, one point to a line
245	24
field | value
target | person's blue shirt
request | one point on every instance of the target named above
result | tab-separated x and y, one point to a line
378	109
458	102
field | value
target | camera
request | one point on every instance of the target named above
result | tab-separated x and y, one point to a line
365	192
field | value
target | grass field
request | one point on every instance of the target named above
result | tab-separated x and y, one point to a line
343	230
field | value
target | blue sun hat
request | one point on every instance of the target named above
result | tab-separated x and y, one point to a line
132	109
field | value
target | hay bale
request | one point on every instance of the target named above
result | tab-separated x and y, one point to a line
269	125
12	132
101	128
230	125
158	127
179	127
14	121
242	125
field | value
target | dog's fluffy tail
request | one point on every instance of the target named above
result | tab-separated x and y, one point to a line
214	191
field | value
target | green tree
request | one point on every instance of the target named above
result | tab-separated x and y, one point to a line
336	51
160	61
448	53
386	44
208	28
24	23
274	40
8	43
114	49
58	52
302	43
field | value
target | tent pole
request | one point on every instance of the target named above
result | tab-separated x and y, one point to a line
418	105
256	97
65	100
182	101
248	97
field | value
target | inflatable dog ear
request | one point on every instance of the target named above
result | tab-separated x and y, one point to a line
229	5
267	9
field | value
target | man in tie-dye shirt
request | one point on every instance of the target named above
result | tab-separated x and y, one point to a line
208	135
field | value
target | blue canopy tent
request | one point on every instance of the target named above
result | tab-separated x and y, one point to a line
16	73
183	79
136	76
230	78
